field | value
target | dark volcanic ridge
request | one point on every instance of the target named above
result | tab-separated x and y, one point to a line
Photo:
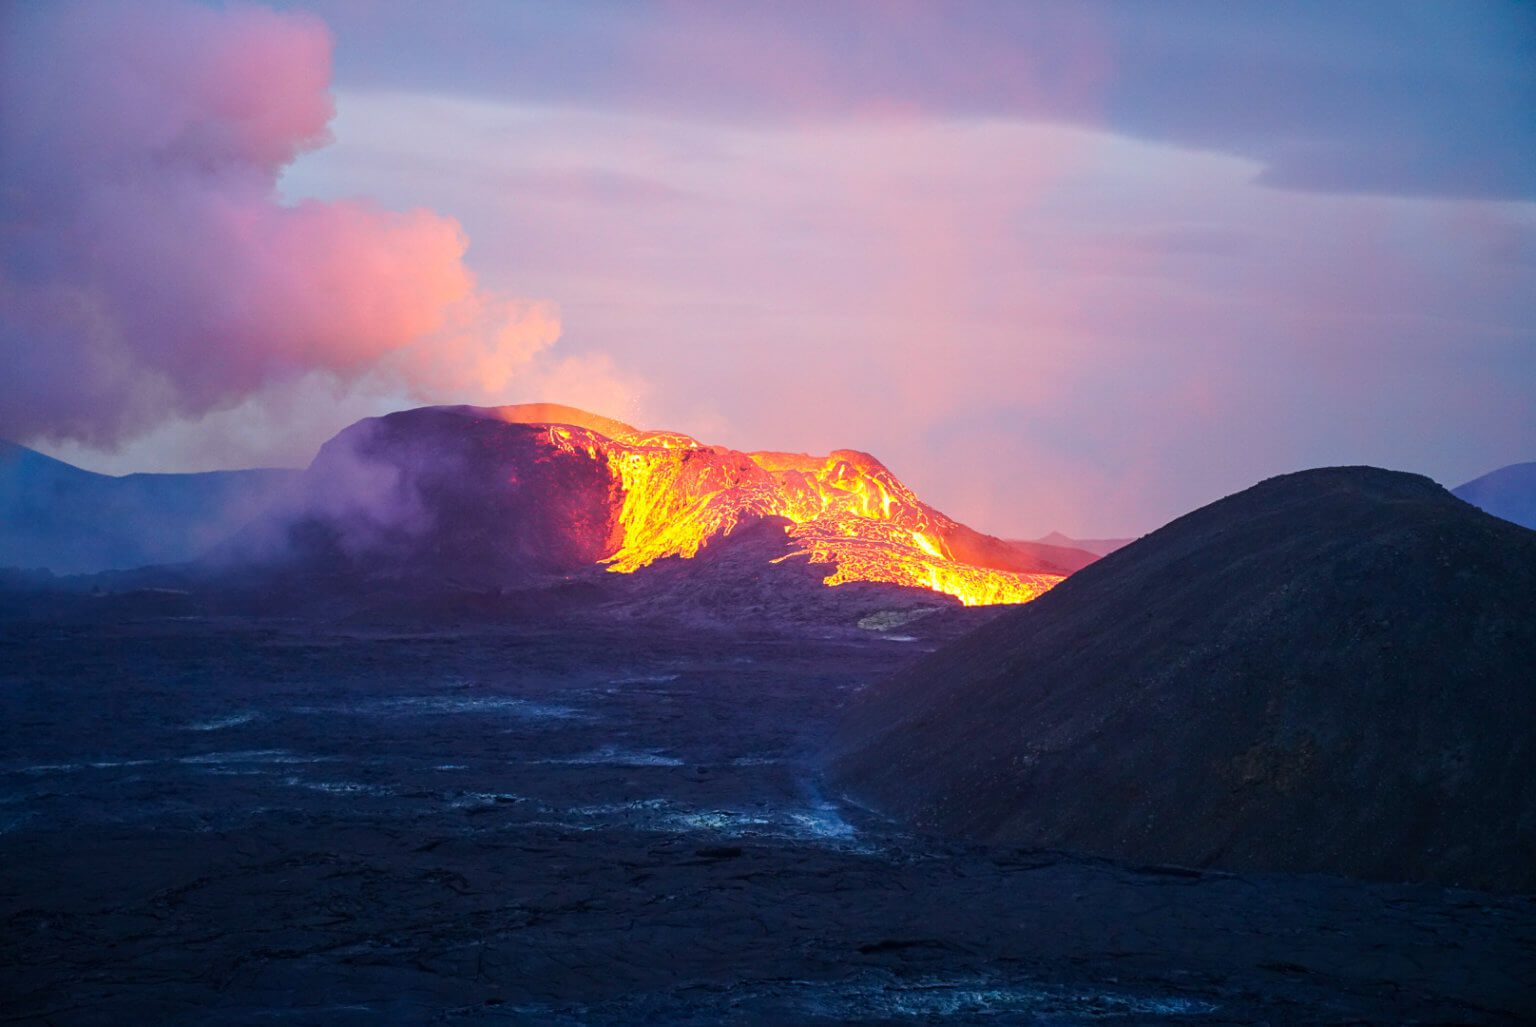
512	495
449	513
1333	671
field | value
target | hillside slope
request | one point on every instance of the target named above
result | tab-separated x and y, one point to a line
1331	671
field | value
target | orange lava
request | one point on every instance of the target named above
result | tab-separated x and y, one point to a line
846	509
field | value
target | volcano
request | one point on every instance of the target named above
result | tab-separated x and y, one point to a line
1328	672
520	494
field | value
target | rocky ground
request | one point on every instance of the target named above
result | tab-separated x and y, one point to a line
230	822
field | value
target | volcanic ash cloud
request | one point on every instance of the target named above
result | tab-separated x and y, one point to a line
148	268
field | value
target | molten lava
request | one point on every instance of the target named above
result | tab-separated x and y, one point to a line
847	510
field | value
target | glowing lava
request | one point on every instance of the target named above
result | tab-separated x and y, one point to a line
673	494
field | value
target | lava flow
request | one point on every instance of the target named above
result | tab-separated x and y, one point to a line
673	494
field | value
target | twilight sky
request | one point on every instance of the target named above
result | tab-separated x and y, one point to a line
1062	266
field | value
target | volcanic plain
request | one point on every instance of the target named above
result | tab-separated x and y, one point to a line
221	820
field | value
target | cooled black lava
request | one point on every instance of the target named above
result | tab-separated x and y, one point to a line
235	823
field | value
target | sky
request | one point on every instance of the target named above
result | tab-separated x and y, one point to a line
1076	267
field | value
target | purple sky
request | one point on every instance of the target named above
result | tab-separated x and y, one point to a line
1061	266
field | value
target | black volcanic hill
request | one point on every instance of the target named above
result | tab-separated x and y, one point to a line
1333	671
523	512
504	495
444	492
500	496
1509	492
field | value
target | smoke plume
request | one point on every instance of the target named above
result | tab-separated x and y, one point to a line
148	268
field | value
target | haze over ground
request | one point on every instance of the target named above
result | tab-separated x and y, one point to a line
1076	268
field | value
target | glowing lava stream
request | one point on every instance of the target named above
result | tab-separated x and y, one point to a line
847	509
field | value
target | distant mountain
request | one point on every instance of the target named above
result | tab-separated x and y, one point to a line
1331	671
1095	546
58	517
1509	492
511	495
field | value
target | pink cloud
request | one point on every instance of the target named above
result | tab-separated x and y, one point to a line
148	268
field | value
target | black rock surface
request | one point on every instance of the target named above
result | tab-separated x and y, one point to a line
218	821
1333	671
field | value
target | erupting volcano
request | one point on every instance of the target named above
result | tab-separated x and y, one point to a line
846	509
545	488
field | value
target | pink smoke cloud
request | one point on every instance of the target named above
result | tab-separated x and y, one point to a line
149	270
